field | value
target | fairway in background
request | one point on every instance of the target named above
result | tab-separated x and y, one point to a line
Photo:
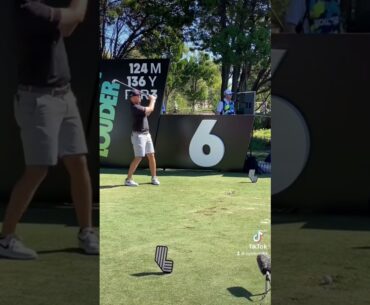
207	220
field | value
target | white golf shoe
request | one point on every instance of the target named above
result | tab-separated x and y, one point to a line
88	241
252	176
130	182
155	181
12	247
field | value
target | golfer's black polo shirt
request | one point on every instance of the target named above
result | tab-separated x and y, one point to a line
42	57
140	120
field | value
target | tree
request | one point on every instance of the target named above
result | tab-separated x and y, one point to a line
195	78
238	33
201	74
127	24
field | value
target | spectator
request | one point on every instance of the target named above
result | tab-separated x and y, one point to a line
314	16
226	106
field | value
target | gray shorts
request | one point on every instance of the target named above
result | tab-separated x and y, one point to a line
50	126
142	143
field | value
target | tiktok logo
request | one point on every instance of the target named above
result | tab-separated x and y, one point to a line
258	236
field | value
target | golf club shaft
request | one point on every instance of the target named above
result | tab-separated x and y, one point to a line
132	88
122	83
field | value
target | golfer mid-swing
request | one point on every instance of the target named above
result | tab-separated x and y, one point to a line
141	138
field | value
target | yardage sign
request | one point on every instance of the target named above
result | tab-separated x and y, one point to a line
149	76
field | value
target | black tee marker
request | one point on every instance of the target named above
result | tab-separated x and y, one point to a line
161	259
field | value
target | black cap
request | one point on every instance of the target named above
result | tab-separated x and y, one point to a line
134	93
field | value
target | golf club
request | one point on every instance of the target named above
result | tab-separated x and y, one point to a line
132	88
122	83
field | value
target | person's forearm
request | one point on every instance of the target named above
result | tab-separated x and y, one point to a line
41	11
72	16
75	13
151	106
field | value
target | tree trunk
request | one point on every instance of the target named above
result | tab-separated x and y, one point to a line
103	25
244	78
225	78
236	75
225	70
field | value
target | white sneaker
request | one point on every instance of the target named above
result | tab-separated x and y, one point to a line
252	175
12	247
88	241
155	181
130	182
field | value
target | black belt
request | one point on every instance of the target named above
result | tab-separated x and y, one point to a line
46	90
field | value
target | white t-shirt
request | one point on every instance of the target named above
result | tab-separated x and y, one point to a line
295	13
220	106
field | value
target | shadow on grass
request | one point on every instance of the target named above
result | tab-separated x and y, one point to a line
240	292
362	248
102	187
66	250
142	274
186	173
162	172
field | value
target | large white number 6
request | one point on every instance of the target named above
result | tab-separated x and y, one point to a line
203	137
291	139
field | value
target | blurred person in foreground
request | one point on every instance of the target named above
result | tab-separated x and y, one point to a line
48	117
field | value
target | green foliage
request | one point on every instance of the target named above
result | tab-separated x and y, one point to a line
163	43
261	141
177	104
128	24
263	134
261	122
238	33
196	79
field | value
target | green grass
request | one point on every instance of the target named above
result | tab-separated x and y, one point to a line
316	246
205	218
61	275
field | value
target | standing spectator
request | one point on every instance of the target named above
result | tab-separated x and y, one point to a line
314	16
226	106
